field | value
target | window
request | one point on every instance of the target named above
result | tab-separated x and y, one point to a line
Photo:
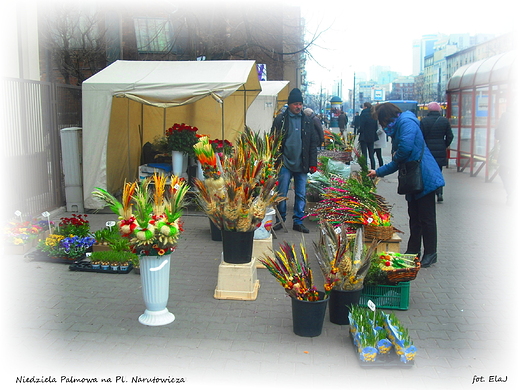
153	35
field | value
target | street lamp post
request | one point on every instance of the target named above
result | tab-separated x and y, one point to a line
354	98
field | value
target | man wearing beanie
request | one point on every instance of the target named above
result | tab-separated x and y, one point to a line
298	154
437	133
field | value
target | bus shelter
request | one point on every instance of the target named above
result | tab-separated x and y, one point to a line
477	96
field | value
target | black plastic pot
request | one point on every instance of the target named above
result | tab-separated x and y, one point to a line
216	234
308	316
237	246
339	306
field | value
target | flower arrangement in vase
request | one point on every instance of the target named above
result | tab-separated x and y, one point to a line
293	272
343	260
221	147
296	277
181	137
238	189
150	218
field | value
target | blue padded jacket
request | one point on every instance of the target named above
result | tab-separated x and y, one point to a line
407	145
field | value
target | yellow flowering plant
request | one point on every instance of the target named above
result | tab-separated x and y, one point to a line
149	213
344	259
21	232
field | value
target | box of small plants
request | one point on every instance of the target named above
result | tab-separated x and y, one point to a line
380	339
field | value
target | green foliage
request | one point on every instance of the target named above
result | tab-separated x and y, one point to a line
106	234
113	256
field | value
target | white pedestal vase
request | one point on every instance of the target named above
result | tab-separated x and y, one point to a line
155	278
179	163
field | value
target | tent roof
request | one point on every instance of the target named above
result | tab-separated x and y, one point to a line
169	85
280	89
494	70
173	83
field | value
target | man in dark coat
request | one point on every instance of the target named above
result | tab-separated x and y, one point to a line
342	121
317	124
355	123
299	156
367	134
438	135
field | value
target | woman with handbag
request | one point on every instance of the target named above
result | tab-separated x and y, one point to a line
419	177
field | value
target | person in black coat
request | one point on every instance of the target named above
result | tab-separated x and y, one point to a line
367	134
355	123
317	125
438	135
299	154
342	121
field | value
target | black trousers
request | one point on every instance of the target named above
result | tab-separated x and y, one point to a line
367	149
423	224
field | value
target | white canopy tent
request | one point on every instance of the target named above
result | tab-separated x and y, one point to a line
261	113
129	103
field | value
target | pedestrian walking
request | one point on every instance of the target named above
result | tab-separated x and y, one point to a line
317	125
408	145
342	121
438	135
355	123
367	134
299	156
379	145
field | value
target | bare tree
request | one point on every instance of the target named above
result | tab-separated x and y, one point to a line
76	40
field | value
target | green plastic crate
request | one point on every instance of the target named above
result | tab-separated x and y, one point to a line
387	297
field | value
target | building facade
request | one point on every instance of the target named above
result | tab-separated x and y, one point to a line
171	31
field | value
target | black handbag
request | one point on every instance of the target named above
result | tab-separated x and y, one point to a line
410	177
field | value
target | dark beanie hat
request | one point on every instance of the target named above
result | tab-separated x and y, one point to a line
295	96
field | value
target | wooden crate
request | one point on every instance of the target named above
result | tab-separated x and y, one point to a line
392	245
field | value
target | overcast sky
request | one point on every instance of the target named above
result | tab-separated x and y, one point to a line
360	34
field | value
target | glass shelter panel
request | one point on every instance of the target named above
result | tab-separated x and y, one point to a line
465	120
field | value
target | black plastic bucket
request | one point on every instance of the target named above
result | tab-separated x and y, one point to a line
308	316
216	234
237	246
339	306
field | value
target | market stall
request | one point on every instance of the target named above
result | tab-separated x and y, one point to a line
130	102
262	111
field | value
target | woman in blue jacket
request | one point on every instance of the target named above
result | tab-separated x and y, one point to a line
408	145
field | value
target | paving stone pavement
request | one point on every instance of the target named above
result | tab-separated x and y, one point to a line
81	325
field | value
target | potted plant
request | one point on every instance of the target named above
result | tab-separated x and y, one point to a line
20	236
150	218
375	333
71	239
104	237
237	190
295	276
344	261
179	140
116	260
136	264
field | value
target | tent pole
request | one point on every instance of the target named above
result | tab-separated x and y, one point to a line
245	109
222	105
128	138
164	119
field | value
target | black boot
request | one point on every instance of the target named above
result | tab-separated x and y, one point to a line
428	259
